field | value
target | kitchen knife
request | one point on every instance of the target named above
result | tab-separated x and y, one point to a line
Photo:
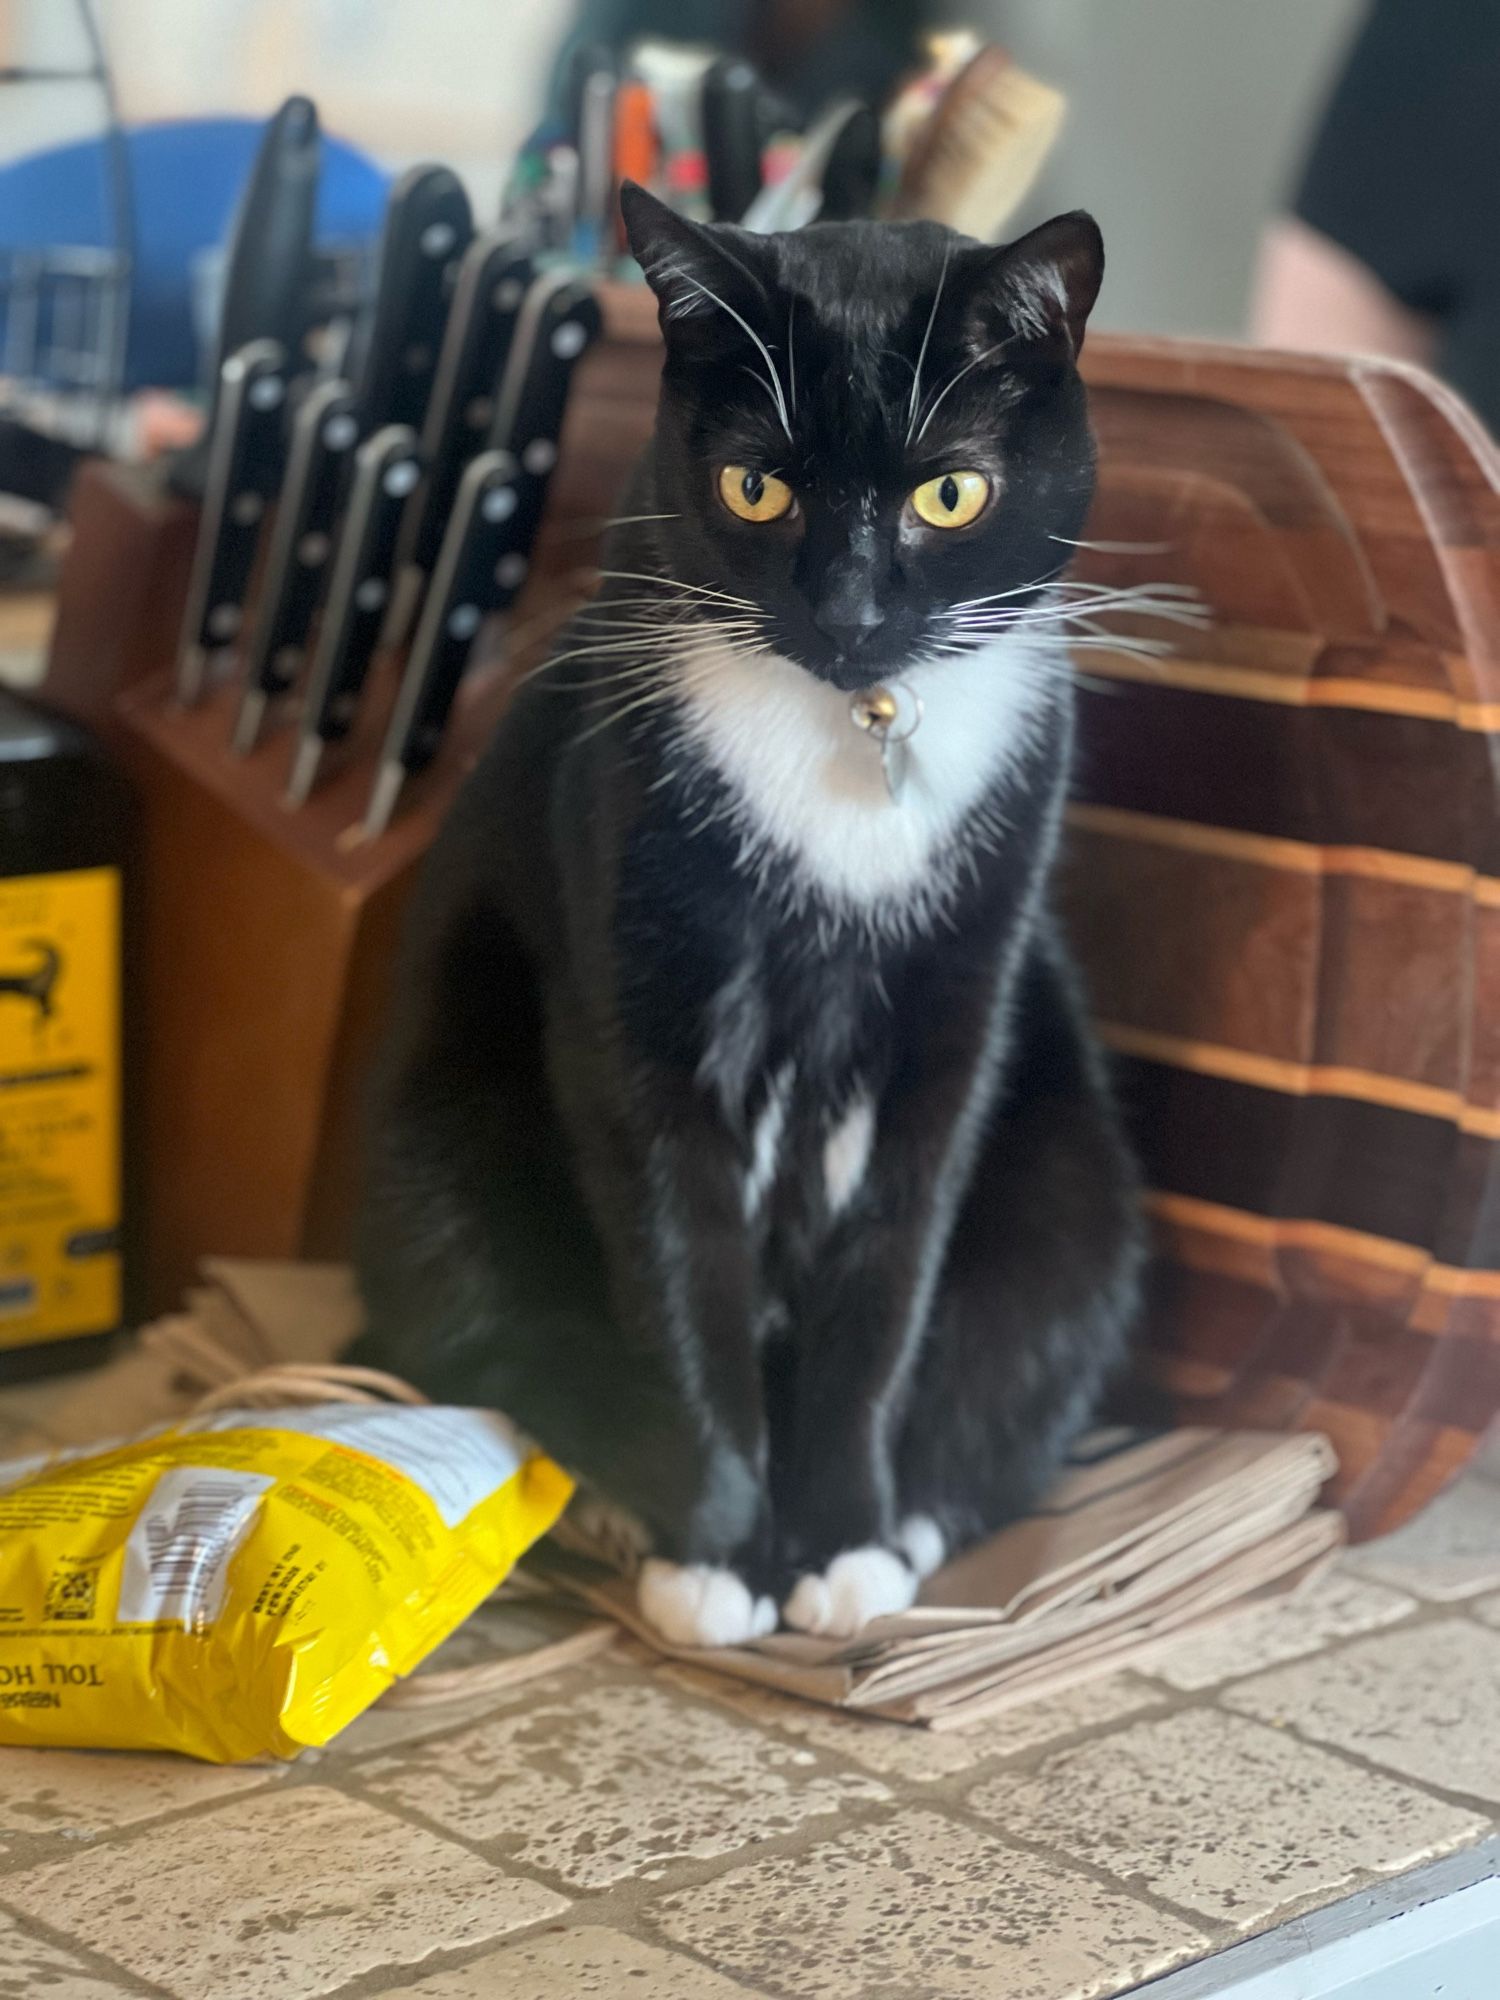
324	436
267	267
243	464
487	300
387	468
487	549
427	227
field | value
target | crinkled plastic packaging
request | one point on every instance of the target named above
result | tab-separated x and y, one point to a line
245	1584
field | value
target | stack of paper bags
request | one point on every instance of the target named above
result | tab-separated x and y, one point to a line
1139	1538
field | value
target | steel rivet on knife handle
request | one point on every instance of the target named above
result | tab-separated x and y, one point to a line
245	455
324	435
387	469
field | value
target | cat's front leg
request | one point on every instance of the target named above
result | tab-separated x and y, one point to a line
667	1197
860	1323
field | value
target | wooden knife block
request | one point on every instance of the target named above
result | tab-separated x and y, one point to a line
268	935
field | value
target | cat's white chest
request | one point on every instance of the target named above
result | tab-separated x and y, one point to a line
807	788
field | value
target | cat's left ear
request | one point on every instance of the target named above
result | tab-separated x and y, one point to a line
1041	289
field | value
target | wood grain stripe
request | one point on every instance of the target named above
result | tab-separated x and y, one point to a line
1251	684
1295	1079
1295	857
1282	1233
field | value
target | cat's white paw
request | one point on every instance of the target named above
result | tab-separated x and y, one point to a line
923	1543
857	1586
692	1604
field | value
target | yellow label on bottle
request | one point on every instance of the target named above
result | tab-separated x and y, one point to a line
59	1105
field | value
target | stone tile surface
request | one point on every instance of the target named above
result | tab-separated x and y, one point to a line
1450	1550
31	1970
1425	1702
278	1898
81	1793
1337	1606
605	1775
1488	1608
1221	1816
919	1907
582	1964
923	1755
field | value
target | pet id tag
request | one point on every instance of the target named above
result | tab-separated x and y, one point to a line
891	716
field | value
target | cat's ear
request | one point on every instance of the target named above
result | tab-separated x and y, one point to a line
1041	289
695	273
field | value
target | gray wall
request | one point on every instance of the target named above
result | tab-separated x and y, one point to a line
1186	124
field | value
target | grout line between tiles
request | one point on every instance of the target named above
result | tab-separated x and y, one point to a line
84	1954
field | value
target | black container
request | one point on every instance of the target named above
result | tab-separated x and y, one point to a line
64	836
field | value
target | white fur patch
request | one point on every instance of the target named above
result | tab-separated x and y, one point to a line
694	1605
765	1143
857	1586
922	1542
807	785
846	1156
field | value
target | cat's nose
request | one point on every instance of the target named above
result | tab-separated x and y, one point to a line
850	627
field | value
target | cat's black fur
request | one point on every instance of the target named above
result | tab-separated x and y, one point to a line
609	974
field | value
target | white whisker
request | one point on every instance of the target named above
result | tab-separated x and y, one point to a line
954	380
1117	548
916	374
773	387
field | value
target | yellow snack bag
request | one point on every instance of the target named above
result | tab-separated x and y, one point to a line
249	1582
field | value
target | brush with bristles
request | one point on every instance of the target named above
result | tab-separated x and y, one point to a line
974	161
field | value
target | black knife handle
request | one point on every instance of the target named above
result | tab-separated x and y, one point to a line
464	589
492	284
245	456
731	113
387	469
559	320
267	264
324	436
563	323
428	227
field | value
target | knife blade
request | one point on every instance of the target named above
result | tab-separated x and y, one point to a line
244	461
324	435
387	468
487	300
427	228
267	265
486	552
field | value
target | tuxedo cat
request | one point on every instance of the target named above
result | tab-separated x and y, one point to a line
739	1132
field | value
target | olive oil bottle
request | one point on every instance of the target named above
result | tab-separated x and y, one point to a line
63	834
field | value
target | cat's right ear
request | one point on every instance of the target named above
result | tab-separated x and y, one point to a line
696	275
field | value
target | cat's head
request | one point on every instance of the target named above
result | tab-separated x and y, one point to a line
866	425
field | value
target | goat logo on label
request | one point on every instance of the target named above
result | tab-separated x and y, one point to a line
37	983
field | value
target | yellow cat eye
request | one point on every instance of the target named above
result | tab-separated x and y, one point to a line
754	496
952	500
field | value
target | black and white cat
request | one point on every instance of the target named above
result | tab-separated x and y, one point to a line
740	1134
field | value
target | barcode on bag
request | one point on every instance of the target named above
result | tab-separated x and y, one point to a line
178	1553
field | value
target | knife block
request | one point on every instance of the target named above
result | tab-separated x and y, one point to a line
268	935
121	589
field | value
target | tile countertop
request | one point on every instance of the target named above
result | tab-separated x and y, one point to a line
631	1827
